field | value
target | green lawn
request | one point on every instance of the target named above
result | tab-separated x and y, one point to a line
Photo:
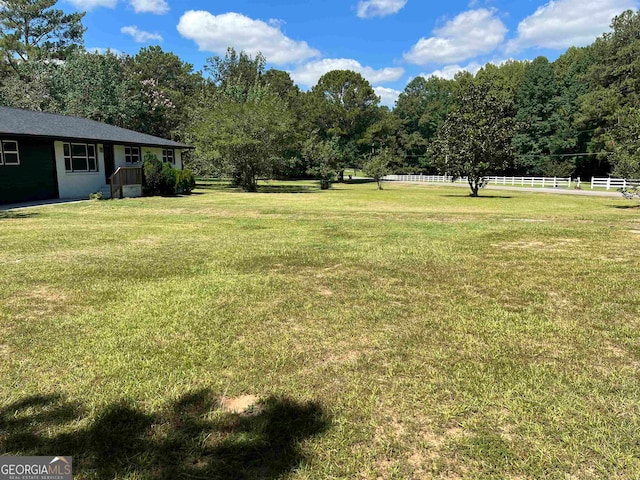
409	333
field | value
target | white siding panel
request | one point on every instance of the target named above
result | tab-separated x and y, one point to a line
78	184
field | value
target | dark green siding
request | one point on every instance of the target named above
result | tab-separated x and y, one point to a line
35	177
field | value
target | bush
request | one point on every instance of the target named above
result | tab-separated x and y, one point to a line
96	196
158	178
169	179
185	181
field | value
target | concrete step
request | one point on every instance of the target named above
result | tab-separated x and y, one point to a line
106	191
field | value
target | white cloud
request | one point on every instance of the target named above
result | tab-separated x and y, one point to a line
214	33
388	96
159	7
91	4
379	8
449	72
140	36
471	33
309	73
564	23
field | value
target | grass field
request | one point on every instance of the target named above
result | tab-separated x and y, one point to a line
409	333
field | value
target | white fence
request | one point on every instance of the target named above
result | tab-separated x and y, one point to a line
550	182
610	183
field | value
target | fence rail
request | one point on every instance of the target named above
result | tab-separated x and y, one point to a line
609	183
551	182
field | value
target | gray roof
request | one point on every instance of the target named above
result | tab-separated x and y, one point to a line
24	122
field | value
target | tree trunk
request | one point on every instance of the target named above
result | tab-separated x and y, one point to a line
474	185
379	183
341	176
249	182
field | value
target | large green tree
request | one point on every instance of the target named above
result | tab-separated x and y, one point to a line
236	73
614	81
624	143
506	78
476	139
422	107
95	86
244	140
322	157
31	87
343	105
389	133
536	105
570	136
164	88
33	29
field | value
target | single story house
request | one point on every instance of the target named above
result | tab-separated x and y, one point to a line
45	156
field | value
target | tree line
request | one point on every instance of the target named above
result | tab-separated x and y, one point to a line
578	115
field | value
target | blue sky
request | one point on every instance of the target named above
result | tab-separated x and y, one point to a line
387	41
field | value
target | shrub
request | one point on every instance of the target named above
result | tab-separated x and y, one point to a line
152	174
377	166
96	196
169	179
185	181
158	178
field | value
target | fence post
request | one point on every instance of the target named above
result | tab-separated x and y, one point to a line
608	183
555	182
592	178
624	183
543	182
570	180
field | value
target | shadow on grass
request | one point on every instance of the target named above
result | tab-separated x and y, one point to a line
227	187
466	195
357	181
6	214
191	438
626	207
217	186
288	188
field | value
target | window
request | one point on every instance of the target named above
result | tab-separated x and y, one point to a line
80	157
9	153
132	154
167	156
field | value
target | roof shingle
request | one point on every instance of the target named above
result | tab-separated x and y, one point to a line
24	122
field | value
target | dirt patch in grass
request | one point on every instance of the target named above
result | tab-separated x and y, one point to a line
615	350
5	350
325	292
39	302
243	405
47	294
536	245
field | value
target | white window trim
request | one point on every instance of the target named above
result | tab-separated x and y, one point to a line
165	154
80	172
2	152
131	162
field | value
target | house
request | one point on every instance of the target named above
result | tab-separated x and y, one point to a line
45	156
